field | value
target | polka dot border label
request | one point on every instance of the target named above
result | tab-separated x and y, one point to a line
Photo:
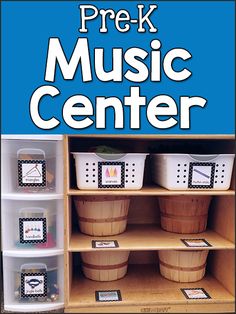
196	242
21	230
104	244
195	293
21	163
111	186
108	295
35	277
200	186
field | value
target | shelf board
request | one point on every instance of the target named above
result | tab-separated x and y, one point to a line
149	237
153	190
144	288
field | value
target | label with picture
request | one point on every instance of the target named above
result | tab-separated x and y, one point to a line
31	173
33	230
103	244
111	174
33	285
108	296
195	293
196	243
201	175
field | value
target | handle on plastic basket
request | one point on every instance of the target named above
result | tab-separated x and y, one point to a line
34	266
31	210
204	157
33	151
110	156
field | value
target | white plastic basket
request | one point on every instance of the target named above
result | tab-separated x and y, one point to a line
184	171
109	171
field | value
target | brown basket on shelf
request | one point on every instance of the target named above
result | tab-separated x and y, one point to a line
184	214
105	266
183	266
102	215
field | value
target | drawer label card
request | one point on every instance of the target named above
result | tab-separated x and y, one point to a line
31	173
33	230
201	175
103	244
33	285
195	293
108	296
196	243
111	175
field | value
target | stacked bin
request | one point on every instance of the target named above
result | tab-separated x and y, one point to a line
32	222
106	215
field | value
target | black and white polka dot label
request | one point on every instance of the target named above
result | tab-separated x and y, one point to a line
195	293
33	285
201	175
104	244
108	296
33	230
196	242
111	175
32	173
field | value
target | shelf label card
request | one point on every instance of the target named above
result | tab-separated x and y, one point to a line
33	230
103	244
33	285
111	175
108	296
195	293
31	173
196	243
201	175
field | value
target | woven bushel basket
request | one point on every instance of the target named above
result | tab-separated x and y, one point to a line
184	214
105	266
102	215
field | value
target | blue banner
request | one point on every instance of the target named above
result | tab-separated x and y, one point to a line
148	67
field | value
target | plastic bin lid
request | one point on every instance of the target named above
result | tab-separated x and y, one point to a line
32	196
45	262
44	253
50	137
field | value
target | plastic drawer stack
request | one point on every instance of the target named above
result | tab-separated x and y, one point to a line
32	222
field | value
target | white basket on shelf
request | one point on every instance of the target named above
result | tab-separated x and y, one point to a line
109	171
185	171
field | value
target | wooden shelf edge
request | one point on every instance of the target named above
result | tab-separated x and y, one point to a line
149	238
148	191
165	308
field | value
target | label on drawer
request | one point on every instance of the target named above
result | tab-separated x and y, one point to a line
201	175
108	296
195	293
111	175
103	244
31	173
196	242
33	285
33	230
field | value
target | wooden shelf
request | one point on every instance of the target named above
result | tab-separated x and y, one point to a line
144	290
149	237
148	190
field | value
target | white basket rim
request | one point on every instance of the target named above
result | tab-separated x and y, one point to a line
108	154
189	155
